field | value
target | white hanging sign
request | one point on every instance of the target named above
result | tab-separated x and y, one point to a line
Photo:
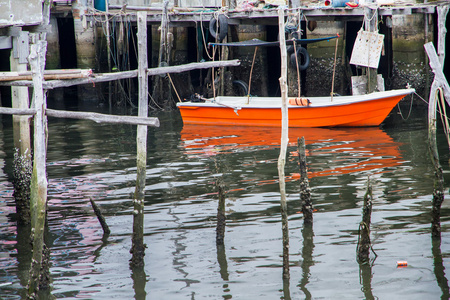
367	49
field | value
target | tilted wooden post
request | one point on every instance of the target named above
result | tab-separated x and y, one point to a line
39	176
138	246
284	142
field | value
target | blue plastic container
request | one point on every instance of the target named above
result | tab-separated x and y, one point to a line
338	3
100	5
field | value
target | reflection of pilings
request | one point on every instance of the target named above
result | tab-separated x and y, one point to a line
23	242
221	218
286	289
138	246
308	247
139	280
439	269
363	246
365	275
305	190
223	265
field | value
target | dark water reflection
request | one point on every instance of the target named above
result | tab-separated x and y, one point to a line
182	260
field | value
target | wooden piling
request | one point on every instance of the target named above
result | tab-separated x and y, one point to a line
138	246
21	130
284	142
305	190
221	218
38	196
364	245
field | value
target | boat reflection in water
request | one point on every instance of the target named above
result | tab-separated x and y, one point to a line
329	151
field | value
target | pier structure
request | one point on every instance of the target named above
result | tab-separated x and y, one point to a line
177	42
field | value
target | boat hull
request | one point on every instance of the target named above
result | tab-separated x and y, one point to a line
349	111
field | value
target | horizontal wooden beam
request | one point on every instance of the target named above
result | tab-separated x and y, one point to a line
102	118
52	84
193	66
96	117
16	111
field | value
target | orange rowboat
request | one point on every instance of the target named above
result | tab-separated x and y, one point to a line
342	111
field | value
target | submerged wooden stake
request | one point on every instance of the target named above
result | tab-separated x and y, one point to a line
284	142
100	217
305	190
364	245
138	246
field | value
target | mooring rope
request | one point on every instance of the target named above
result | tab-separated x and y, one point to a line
410	108
443	113
334	69
251	72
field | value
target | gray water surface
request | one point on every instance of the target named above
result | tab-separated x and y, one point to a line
182	260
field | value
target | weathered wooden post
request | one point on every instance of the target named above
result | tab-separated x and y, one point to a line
284	142
364	245
21	127
138	246
39	177
439	84
305	190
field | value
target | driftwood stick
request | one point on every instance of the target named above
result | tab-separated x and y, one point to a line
305	190
100	217
364	244
283	148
